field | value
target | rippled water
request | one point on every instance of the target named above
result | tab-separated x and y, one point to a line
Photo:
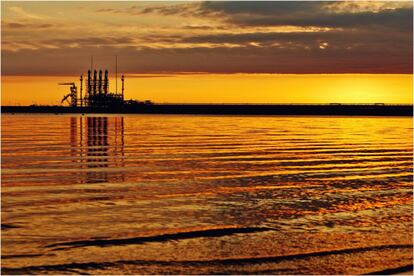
142	194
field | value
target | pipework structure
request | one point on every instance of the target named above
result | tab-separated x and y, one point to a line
97	92
73	94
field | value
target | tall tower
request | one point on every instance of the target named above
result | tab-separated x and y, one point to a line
94	82
81	86
122	80
100	83
89	85
116	74
106	83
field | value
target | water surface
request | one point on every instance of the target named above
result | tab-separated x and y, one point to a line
163	194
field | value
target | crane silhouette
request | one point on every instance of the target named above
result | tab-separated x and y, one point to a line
72	94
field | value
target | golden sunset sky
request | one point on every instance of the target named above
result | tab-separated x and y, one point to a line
212	52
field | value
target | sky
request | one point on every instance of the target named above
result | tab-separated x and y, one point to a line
224	44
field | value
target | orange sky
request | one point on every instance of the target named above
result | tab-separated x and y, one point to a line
226	88
346	48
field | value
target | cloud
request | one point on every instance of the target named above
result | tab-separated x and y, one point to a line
251	13
203	27
366	6
262	7
166	9
106	10
135	10
25	25
64	43
245	59
390	19
21	12
227	37
89	42
334	14
338	38
256	37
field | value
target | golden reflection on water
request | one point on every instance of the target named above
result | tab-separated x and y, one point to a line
97	148
147	187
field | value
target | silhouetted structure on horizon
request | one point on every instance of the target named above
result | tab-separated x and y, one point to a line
230	109
97	92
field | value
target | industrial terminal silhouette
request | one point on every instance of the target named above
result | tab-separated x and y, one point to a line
97	92
98	99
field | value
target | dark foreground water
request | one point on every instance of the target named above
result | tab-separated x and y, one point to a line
161	194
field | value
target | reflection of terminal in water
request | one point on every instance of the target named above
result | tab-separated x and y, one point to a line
98	145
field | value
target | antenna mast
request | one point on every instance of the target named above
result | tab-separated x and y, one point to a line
81	99
116	74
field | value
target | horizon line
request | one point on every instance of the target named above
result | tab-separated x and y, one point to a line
166	74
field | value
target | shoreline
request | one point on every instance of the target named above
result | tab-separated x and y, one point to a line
228	109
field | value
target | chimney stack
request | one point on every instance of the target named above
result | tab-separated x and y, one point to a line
89	86
106	82
100	83
81	87
122	79
94	82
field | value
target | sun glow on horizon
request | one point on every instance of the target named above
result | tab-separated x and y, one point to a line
225	88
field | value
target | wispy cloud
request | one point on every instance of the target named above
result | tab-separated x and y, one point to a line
170	9
24	25
21	12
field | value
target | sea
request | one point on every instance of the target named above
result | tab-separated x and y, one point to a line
189	194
